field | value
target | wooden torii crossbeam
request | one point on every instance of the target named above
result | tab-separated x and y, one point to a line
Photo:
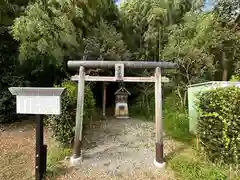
127	64
119	77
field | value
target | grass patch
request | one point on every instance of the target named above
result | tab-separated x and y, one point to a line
188	169
176	123
192	167
55	156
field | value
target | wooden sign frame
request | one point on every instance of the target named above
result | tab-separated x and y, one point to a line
38	101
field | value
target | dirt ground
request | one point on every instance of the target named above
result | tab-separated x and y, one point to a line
114	149
17	155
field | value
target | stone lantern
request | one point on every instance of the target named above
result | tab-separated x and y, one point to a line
121	106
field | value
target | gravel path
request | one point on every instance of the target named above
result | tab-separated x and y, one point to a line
114	149
124	149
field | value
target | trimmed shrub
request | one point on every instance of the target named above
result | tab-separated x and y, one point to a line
63	125
219	124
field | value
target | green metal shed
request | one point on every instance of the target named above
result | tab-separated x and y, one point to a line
193	90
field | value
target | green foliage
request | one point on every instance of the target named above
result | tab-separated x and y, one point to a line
10	10
203	48
56	29
189	169
202	45
144	105
144	20
55	155
9	66
174	115
176	123
235	78
219	124
228	10
7	100
145	24
107	41
63	125
41	34
41	73
9	76
185	47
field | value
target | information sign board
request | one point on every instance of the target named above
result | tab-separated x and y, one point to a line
119	72
38	100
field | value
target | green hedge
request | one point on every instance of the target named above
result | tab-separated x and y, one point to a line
63	125
219	124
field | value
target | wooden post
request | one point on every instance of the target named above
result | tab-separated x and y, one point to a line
40	167
197	142
44	160
104	100
79	114
159	162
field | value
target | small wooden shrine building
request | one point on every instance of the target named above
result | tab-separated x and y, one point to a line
121	106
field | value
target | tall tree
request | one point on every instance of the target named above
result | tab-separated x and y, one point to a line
57	29
228	12
147	22
187	46
9	66
9	10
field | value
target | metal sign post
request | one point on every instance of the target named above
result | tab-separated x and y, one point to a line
38	101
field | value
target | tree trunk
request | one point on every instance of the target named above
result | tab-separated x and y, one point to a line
225	75
169	8
159	43
225	67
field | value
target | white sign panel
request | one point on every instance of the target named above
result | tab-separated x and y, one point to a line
38	104
119	71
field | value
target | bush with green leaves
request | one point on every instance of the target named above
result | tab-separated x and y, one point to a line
219	124
144	106
235	78
63	125
9	77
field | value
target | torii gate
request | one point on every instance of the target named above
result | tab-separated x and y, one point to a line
119	76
